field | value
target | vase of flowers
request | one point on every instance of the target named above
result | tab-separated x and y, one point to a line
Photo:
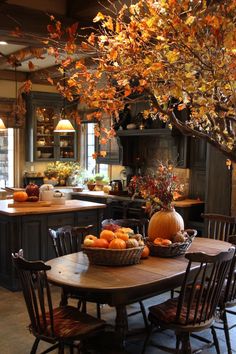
159	191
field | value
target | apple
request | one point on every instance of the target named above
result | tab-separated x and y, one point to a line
89	240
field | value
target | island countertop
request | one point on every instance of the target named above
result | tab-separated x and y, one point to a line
70	205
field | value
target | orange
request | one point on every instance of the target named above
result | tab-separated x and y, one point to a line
146	252
107	234
166	242
157	241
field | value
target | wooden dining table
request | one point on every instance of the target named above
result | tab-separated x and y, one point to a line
120	286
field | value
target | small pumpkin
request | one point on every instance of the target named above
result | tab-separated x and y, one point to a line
165	224
20	196
117	243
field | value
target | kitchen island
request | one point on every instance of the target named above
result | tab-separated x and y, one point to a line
27	228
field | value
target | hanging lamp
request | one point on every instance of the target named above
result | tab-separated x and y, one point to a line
2	125
64	125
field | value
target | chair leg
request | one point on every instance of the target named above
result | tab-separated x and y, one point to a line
186	347
64	298
216	343
226	330
142	307
149	332
61	348
98	310
35	346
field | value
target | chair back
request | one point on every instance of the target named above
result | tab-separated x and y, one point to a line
230	289
138	225
200	293
37	295
68	239
219	226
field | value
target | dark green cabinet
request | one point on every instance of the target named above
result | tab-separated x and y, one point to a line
30	233
43	144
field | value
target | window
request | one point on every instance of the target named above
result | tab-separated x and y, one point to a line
88	148
7	158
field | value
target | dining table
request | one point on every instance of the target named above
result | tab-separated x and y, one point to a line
119	286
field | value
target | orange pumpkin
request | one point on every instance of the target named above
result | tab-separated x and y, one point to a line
165	224
122	235
20	196
100	243
117	243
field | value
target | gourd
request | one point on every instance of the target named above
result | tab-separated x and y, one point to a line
165	224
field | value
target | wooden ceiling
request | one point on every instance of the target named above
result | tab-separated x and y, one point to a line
33	19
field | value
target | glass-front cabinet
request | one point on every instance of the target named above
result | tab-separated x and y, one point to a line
43	113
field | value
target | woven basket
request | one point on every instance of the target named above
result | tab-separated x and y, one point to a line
173	250
113	257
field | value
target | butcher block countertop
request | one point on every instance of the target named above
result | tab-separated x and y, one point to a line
185	203
70	205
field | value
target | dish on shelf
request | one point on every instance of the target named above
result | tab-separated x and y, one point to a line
45	155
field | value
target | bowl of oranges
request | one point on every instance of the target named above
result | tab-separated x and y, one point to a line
172	247
115	248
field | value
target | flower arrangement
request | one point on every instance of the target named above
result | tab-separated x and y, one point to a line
62	170
159	190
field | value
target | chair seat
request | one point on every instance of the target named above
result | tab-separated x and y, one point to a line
69	322
166	313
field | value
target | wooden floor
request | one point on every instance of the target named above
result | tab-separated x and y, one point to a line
16	339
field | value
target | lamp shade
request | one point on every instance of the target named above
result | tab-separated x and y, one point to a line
2	125
64	126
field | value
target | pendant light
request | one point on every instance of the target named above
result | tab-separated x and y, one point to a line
2	125
64	125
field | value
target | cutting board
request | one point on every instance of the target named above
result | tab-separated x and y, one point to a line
29	204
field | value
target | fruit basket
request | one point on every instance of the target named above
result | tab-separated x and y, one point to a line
113	257
175	249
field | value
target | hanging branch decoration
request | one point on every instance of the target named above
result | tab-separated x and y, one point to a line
179	55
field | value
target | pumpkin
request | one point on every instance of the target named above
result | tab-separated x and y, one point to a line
165	224
20	196
100	243
122	235
117	243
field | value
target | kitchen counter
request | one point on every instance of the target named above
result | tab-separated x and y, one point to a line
70	205
185	203
27	228
119	207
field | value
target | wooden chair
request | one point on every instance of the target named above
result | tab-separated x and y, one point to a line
60	326
138	225
194	309
219	226
228	300
68	239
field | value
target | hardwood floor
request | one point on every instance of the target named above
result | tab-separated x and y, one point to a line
16	339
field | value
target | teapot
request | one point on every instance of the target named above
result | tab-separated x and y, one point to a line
46	192
58	198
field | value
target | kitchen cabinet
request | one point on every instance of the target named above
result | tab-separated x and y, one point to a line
141	148
28	229
43	112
